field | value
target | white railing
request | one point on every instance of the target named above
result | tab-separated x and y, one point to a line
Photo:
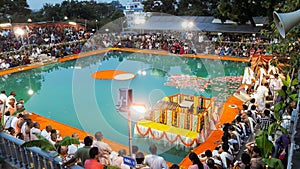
27	158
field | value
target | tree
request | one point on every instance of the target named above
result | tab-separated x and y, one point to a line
16	10
196	7
117	14
240	11
163	6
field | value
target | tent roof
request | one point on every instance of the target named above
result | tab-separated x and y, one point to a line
201	23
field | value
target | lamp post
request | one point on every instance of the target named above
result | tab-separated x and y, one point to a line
96	24
126	105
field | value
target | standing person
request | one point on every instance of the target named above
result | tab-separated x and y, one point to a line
248	77
93	162
276	85
261	95
261	74
104	148
3	98
153	160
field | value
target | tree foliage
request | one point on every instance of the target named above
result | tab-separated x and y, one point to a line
196	7
163	6
240	11
14	10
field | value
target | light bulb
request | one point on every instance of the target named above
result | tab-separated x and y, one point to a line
30	92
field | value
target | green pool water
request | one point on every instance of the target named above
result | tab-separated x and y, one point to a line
66	92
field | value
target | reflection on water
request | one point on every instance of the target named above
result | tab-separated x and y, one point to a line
66	92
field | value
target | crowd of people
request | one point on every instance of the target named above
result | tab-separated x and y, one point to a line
42	43
38	44
237	149
184	43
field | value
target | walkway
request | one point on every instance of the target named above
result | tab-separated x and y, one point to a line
66	130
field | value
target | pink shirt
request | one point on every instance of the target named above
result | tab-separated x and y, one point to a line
195	166
92	164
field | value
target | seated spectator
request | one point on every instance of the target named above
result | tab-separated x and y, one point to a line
139	161
93	163
196	163
74	147
245	162
104	148
11	131
118	161
224	155
47	132
63	153
174	166
35	129
81	154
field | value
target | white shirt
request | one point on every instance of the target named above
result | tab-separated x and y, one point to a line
14	122
46	134
3	98
155	161
34	130
248	76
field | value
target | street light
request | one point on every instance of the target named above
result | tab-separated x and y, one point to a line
187	24
96	25
126	105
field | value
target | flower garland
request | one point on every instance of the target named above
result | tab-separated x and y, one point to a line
166	137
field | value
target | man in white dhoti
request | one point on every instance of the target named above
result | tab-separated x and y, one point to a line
248	77
276	85
262	73
261	93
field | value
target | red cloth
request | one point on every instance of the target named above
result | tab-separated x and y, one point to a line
93	164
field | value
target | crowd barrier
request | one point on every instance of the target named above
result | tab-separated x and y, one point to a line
15	156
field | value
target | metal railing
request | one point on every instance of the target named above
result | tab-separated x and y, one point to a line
294	119
27	158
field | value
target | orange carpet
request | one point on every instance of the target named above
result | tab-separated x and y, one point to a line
227	115
108	74
66	130
163	52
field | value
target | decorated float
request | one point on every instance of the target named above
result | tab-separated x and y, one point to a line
180	119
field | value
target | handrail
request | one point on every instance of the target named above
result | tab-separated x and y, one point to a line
294	119
33	157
